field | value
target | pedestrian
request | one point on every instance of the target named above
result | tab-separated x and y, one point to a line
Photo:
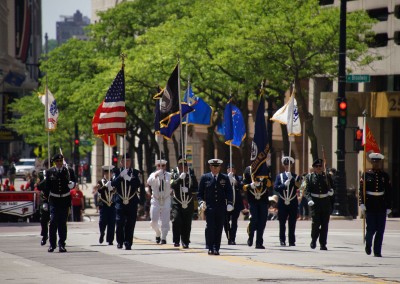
184	185
318	190
160	208
59	181
1	172
128	195
286	185
257	195
44	208
215	198
375	203
77	201
231	219
106	206
12	173
96	197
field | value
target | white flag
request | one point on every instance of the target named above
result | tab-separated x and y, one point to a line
51	111
289	115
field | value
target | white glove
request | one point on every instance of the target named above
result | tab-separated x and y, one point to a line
230	175
330	192
388	211
257	183
289	175
124	173
233	181
127	177
45	207
310	203
252	185
203	205
108	184
229	208
159	173
287	182
182	175
185	189
71	185
362	207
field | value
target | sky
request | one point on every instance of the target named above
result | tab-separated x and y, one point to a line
53	9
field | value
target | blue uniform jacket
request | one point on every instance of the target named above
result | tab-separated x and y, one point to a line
216	194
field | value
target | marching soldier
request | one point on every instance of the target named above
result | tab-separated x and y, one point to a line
59	181
44	209
318	190
215	197
128	194
231	220
160	204
375	203
286	184
257	195
106	206
184	185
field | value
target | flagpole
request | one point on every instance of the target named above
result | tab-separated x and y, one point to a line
187	120
109	155
364	166
183	153
46	123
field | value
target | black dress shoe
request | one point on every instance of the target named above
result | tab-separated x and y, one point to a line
110	243
283	244
158	240
260	247
62	249
185	246
377	255
323	248
249	242
210	252
233	243
163	242
216	252
43	241
292	244
368	250
119	246
51	249
101	239
176	245
313	245
128	247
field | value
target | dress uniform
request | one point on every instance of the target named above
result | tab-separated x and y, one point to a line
44	209
106	207
160	204
286	185
215	197
128	195
184	185
376	203
231	220
257	195
59	181
318	190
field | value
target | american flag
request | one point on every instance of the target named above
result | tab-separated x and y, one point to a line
110	116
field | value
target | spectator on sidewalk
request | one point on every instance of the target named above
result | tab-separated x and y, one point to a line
77	203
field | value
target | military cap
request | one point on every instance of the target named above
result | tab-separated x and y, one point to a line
215	162
317	162
161	162
58	157
286	159
107	168
376	156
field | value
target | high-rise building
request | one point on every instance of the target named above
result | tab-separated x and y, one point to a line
71	27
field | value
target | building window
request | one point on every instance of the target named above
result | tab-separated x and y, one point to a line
396	83
380	40
397	11
379	83
381	14
325	2
396	37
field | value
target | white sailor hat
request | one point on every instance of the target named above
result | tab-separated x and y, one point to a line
215	162
286	159
161	162
376	156
107	168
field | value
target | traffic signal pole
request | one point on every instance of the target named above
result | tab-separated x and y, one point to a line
340	205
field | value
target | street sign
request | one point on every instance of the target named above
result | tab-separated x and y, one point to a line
353	78
86	143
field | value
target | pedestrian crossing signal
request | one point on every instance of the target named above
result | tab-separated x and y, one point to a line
358	136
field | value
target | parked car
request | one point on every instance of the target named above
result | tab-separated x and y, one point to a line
24	167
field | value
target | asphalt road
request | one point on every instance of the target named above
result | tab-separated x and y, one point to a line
23	260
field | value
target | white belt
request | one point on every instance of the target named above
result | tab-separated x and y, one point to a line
60	195
375	193
319	195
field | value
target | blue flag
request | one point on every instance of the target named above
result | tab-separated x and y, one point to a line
260	145
174	122
202	111
234	127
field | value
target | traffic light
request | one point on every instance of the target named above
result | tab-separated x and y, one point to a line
358	136
76	142
115	160
342	112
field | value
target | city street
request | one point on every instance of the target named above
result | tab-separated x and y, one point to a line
23	260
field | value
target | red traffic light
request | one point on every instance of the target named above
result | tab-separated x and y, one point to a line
76	141
343	105
115	160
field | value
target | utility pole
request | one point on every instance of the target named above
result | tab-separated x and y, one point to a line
340	205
